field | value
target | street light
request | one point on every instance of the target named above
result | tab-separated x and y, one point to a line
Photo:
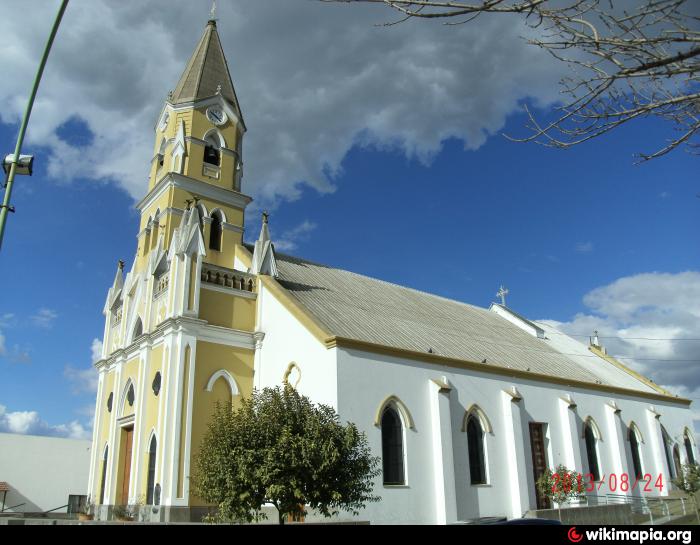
15	163
24	164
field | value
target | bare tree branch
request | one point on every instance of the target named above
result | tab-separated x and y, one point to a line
624	64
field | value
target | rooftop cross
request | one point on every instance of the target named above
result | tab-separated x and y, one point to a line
502	292
266	216
212	13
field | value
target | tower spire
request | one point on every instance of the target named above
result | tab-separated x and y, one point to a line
206	73
264	253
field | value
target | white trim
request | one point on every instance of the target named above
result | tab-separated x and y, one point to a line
206	190
221	212
125	421
122	398
230	291
219	136
188	426
228	377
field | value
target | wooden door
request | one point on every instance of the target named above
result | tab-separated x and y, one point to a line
539	460
126	469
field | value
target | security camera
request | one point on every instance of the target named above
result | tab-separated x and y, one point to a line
24	165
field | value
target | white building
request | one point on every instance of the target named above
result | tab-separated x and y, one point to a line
42	473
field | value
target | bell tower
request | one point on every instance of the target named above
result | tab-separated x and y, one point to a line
197	158
180	323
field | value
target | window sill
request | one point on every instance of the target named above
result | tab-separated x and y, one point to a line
396	486
483	485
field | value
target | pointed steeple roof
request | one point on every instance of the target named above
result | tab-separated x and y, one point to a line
264	261
206	71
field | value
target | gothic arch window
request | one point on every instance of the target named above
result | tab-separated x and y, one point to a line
677	461
688	447
138	329
161	152
216	230
392	447
104	475
156	384
475	444
635	437
212	148
591	436
228	377
127	400
668	451
150	487
147	236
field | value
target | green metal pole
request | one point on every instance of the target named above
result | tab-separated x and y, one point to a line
5	208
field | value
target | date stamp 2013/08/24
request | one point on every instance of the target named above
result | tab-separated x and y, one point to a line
611	482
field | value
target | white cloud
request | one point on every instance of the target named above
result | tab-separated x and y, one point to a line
82	380
584	247
30	423
44	318
290	239
96	349
313	79
650	317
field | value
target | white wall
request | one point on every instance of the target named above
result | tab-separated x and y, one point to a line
365	380
43	471
287	340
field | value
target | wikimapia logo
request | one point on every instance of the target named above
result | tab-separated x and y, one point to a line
638	536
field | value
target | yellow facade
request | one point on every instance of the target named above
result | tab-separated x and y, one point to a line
210	359
172	291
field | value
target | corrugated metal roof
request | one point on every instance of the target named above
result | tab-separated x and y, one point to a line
366	309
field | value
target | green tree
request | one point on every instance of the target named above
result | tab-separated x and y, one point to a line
689	482
279	448
561	485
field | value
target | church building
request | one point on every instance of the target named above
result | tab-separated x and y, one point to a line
465	406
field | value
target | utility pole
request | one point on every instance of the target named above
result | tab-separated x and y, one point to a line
5	208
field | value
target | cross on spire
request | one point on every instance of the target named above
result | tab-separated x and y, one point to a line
212	13
502	292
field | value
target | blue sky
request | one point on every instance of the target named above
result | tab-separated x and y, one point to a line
582	237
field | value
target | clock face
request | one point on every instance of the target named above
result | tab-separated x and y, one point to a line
164	121
216	115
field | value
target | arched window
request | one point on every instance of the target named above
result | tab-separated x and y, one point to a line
104	476
688	448
161	152
475	443
150	487
392	447
636	457
212	150
138	329
591	450
216	231
677	461
668	445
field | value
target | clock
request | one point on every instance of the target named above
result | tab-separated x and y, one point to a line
164	121
216	115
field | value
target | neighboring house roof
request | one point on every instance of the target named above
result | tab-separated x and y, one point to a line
360	308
